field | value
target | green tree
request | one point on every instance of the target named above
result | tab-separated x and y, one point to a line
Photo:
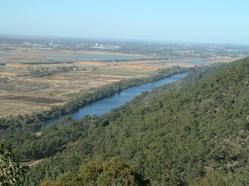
95	173
211	179
11	173
116	173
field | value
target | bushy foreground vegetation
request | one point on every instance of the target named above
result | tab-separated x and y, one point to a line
11	173
93	173
194	132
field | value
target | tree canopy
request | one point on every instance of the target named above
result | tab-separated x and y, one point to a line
194	132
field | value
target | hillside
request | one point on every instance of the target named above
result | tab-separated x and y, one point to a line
192	133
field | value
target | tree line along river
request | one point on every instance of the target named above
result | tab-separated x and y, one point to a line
106	105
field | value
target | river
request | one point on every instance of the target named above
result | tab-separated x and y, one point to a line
106	105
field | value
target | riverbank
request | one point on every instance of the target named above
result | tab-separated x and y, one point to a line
34	122
117	100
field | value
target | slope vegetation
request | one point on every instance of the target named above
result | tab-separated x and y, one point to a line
192	133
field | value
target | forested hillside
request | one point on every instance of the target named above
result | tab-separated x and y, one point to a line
194	132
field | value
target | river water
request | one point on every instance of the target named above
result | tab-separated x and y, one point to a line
106	105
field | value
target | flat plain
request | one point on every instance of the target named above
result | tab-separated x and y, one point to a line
35	78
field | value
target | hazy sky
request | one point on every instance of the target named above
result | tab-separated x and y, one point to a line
215	21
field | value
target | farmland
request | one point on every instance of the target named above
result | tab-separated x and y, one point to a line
35	77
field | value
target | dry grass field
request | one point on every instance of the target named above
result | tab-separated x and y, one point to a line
28	88
30	81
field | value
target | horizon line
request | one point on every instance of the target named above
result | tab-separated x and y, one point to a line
107	39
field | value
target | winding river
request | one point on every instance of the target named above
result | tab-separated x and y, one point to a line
106	105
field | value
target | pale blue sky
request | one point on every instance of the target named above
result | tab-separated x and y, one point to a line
213	21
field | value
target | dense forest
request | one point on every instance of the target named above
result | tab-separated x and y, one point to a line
193	132
22	133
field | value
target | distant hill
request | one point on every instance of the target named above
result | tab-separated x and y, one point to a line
192	133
